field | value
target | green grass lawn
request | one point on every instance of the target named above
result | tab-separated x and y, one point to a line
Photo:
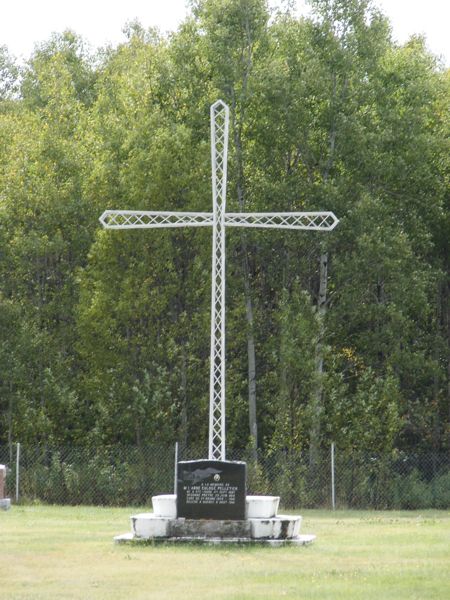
49	552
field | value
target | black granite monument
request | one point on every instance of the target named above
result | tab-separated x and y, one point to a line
211	489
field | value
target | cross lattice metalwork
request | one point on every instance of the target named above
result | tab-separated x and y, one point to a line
219	220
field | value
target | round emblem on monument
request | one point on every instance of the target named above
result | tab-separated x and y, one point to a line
217	477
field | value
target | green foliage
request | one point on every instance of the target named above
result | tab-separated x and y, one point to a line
411	492
297	338
440	487
64	57
368	418
97	477
105	334
9	75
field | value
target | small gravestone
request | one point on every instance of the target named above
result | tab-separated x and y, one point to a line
5	503
211	489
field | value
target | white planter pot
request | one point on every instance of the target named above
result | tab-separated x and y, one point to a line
165	506
262	507
146	525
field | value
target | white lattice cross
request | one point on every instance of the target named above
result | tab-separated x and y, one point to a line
218	220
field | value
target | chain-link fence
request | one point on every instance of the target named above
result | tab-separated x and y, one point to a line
120	476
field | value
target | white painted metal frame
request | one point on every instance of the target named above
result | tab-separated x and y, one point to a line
219	219
219	154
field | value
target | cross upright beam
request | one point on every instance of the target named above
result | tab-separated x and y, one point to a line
219	220
219	154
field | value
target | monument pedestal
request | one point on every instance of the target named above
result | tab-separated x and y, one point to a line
206	506
273	530
211	506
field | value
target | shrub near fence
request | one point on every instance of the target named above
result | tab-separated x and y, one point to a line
119	476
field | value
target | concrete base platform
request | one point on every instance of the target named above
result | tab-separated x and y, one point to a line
130	538
279	530
5	504
149	526
261	525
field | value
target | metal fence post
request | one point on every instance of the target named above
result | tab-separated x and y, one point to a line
333	490
175	469
17	470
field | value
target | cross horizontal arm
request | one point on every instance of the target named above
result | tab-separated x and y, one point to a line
143	219
318	221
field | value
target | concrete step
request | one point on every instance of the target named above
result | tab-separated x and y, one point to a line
300	540
150	526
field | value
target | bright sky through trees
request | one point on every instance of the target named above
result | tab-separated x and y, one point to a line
25	22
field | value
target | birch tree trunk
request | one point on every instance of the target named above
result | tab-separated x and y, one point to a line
184	400
251	354
251	357
10	436
317	394
316	398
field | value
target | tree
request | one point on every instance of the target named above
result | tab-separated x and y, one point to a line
105	329
9	75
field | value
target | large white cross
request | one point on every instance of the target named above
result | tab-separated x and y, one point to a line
218	220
